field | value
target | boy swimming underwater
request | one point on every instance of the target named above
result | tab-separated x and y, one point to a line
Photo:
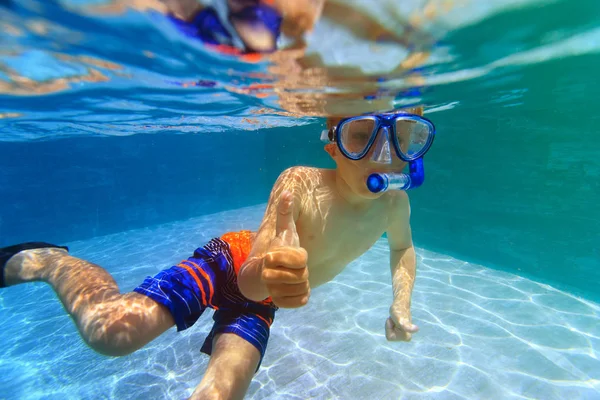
316	222
319	220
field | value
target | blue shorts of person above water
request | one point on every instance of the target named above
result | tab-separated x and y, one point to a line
214	25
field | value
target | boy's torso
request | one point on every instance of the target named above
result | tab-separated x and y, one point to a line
333	232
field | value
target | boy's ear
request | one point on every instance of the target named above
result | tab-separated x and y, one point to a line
330	148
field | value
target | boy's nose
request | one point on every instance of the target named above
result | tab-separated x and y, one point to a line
382	154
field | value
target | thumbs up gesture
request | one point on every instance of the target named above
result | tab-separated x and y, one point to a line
284	269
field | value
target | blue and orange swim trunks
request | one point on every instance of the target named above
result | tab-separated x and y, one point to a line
208	279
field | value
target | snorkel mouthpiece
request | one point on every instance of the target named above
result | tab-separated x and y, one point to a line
382	182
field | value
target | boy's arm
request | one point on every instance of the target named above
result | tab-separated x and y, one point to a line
403	267
250	276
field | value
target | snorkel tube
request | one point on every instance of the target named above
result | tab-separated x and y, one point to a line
382	182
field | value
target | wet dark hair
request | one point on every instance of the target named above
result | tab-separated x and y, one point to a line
330	122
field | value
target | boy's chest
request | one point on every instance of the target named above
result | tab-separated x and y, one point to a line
341	232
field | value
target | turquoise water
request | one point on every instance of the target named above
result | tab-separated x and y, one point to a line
484	334
134	145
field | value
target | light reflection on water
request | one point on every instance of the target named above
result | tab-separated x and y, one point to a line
125	63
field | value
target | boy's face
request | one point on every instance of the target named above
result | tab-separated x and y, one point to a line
355	172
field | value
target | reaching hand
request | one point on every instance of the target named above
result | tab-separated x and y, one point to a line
399	327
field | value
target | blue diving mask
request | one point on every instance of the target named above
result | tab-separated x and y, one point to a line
410	135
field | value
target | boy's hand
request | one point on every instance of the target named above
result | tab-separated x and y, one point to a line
398	326
284	270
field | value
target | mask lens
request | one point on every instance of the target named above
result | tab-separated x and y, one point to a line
413	137
355	135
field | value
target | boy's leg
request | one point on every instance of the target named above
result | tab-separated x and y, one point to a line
238	340
230	370
111	323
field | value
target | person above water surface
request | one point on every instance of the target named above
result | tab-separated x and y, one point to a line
316	222
246	26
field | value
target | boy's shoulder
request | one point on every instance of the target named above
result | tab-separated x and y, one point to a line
301	169
304	173
305	179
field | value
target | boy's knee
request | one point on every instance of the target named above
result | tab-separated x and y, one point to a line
110	343
208	393
111	337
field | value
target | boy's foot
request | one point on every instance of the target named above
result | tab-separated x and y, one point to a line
6	254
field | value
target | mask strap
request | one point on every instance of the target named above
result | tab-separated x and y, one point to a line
328	135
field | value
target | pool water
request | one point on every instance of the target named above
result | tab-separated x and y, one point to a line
484	334
134	145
